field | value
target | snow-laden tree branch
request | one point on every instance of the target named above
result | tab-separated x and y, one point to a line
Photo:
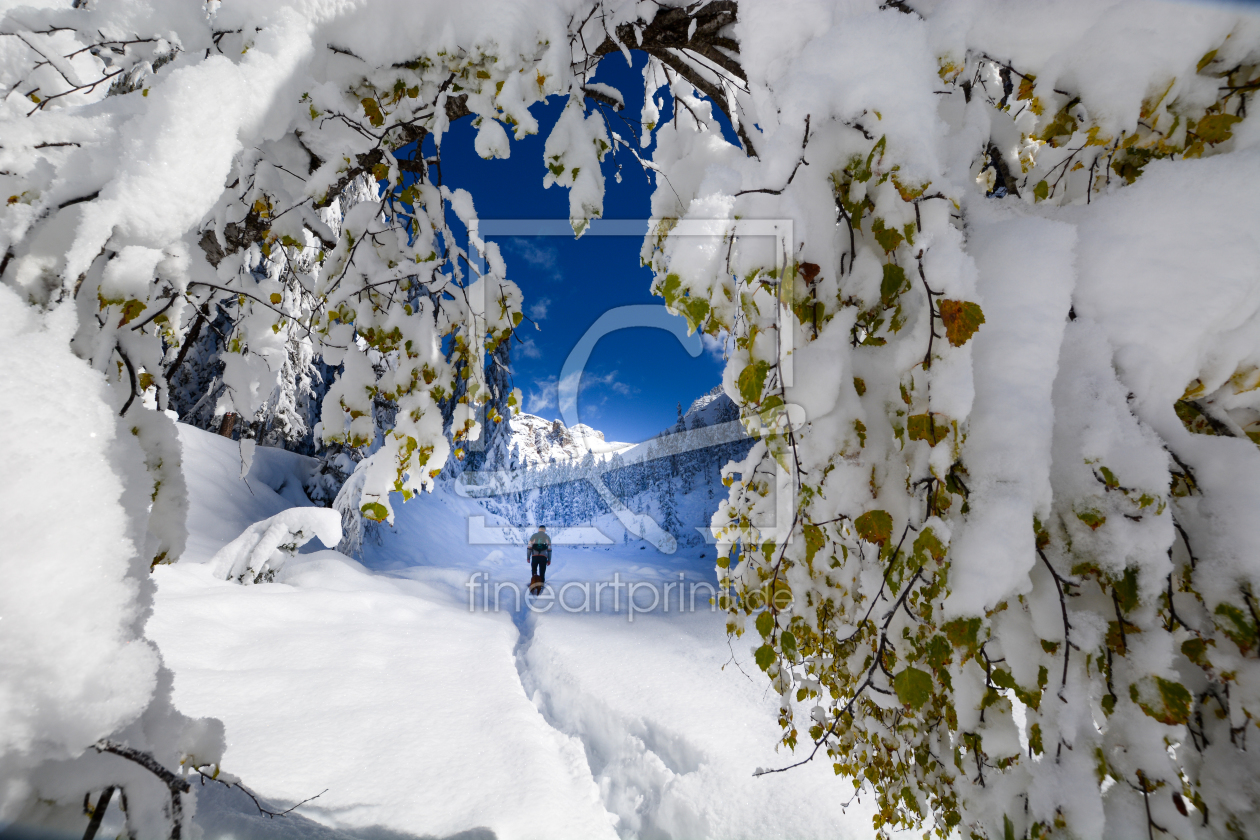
989	605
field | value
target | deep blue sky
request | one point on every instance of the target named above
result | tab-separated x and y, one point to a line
636	377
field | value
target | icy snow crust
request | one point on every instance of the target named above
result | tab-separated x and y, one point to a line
423	718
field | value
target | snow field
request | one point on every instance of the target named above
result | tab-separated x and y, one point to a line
420	717
407	708
674	723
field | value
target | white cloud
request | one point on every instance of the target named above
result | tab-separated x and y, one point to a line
528	349
715	345
542	396
622	388
539	310
609	380
531	253
546	392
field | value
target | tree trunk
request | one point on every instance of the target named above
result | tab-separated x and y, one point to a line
189	340
228	424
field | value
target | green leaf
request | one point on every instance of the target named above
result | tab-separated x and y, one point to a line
765	624
670	288
373	111
1094	519
1196	651
1126	590
1205	61
788	642
1216	128
764	657
927	541
923	427
1167	701
815	539
1002	679
1193	418
874	526
1243	633
939	653
1042	191
130	310
961	318
695	310
913	687
751	380
888	238
964	633
892	284
374	511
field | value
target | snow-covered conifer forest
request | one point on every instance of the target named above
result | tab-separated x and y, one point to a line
981	557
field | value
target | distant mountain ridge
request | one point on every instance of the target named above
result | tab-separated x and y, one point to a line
538	442
673	477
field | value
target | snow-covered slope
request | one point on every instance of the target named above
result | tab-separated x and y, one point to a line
709	410
418	716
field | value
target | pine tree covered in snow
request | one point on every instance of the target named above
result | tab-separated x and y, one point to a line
1002	374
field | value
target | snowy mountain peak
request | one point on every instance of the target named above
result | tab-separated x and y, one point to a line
539	441
712	408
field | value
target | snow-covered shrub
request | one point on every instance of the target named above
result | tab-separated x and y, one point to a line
260	552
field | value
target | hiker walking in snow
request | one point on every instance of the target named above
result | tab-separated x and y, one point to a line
539	553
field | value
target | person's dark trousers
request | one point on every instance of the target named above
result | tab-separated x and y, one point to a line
538	567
